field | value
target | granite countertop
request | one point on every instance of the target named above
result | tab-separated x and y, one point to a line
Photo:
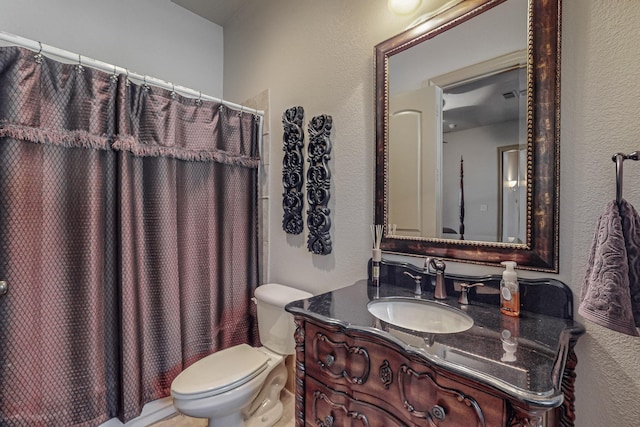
542	341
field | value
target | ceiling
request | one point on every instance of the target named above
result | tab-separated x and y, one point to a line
492	99
216	11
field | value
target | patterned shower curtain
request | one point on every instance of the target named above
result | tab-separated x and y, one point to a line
127	238
188	186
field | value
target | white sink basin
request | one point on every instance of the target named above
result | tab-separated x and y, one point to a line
420	315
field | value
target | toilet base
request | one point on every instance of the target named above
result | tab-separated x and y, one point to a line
234	419
268	418
266	409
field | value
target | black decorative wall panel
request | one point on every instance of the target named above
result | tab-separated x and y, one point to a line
319	184
292	170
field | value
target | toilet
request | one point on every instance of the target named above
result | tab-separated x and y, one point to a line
240	386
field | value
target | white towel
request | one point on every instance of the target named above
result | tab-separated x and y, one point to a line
610	293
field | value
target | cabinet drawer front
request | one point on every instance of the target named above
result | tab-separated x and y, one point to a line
413	391
334	358
328	408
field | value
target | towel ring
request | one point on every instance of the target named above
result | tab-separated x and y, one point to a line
619	159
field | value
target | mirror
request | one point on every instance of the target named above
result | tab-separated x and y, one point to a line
467	134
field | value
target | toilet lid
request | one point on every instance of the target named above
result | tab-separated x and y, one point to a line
219	372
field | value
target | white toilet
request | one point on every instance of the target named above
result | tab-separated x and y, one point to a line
240	386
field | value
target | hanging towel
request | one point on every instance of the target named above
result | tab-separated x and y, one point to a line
610	293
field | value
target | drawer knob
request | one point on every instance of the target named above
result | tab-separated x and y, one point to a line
328	421
438	413
329	360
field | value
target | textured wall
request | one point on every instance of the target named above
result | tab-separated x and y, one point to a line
317	55
320	55
600	116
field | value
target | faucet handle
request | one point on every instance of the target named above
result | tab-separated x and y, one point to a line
417	277
464	292
418	280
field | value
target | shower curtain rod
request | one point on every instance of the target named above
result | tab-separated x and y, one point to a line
104	66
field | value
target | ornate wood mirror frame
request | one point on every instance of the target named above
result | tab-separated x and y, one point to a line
540	250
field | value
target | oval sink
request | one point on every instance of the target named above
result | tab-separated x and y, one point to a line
420	315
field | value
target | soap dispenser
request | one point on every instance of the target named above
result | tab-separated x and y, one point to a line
509	290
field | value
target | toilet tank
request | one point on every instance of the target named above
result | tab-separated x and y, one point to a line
275	325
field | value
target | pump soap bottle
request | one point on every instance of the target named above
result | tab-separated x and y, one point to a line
509	290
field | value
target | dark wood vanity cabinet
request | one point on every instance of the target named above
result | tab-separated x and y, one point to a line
359	379
353	369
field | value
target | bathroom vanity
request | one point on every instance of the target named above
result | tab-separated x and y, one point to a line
352	369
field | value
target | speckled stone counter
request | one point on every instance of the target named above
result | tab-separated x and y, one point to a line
542	343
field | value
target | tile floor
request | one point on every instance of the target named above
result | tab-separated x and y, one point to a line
180	420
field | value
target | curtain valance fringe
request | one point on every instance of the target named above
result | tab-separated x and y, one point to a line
140	150
110	68
63	138
84	139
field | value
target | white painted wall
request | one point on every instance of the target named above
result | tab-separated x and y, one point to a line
479	148
317	55
320	55
151	37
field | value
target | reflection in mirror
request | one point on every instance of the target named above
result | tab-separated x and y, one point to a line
463	106
512	184
496	119
467	140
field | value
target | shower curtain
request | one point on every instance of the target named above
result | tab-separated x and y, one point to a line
127	237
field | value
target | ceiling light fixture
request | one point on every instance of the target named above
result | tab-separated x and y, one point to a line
403	7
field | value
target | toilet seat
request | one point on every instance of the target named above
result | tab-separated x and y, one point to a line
219	372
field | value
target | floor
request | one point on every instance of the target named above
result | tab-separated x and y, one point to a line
180	420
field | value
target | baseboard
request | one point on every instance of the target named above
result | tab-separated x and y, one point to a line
152	412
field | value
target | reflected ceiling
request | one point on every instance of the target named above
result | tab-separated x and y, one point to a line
488	101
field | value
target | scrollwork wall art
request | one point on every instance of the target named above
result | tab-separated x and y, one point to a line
292	170
319	184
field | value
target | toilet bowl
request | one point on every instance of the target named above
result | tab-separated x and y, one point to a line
240	386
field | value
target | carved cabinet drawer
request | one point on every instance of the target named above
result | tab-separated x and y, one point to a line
327	408
411	390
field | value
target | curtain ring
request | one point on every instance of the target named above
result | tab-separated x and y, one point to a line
38	57
199	100
240	112
145	86
173	91
127	82
79	67
114	76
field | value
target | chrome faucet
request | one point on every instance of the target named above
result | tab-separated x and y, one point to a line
438	265
418	279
